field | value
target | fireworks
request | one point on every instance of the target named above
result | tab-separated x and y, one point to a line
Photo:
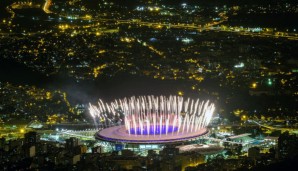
151	115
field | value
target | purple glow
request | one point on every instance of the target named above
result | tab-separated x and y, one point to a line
119	134
154	131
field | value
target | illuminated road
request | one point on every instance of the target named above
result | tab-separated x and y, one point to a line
213	26
46	6
291	130
83	134
161	25
222	140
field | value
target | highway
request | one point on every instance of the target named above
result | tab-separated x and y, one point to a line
291	130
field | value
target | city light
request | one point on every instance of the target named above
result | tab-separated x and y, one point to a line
254	85
269	82
22	130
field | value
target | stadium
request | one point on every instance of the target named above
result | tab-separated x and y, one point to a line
152	120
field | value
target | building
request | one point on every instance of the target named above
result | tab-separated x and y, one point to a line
287	146
71	143
254	153
31	138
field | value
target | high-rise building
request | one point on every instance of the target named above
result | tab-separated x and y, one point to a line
71	143
31	138
287	145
